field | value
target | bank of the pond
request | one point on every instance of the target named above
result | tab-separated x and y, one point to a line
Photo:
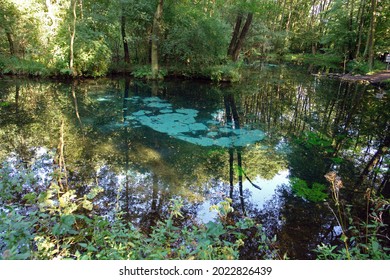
225	72
381	78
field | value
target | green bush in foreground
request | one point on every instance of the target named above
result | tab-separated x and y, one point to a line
54	233
57	224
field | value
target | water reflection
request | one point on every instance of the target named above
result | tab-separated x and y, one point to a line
118	135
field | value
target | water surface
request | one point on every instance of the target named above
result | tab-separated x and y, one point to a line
146	143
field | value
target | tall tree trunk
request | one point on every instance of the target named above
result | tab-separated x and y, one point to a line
236	33
350	28
281	15
369	51
313	30
124	39
155	38
360	29
239	36
72	36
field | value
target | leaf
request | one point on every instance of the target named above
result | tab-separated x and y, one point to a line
375	246
87	205
30	197
215	229
68	220
343	238
94	192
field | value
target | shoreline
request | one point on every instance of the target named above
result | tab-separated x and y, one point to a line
374	79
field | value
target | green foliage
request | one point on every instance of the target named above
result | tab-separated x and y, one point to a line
225	73
362	240
362	67
145	72
16	66
193	35
365	239
12	184
328	61
314	193
92	58
193	38
58	224
316	141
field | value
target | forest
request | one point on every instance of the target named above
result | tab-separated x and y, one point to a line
194	129
191	38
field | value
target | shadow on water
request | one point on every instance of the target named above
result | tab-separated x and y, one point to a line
267	144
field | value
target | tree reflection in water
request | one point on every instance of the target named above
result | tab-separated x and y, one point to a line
309	127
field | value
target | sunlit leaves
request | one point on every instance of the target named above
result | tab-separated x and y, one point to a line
194	38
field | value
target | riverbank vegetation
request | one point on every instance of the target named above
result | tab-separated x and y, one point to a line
60	223
153	39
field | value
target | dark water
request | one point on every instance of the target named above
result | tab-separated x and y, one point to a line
146	143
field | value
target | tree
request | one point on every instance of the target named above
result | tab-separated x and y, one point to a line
125	44
72	30
155	38
193	38
239	35
369	51
8	16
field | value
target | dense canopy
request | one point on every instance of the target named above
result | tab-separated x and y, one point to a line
191	37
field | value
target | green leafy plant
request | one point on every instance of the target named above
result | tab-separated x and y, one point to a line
145	72
315	193
56	223
225	73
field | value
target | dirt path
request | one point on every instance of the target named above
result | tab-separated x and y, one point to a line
373	79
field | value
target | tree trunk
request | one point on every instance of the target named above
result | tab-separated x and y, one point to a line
360	29
369	51
235	36
155	38
124	39
11	43
239	36
72	36
350	28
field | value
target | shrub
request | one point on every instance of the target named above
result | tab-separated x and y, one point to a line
225	73
56	223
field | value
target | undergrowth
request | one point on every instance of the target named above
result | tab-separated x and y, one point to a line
56	223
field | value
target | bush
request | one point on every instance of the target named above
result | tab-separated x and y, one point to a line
361	67
55	223
92	59
145	72
225	73
328	61
15	66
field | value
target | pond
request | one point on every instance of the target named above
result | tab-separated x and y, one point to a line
263	142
